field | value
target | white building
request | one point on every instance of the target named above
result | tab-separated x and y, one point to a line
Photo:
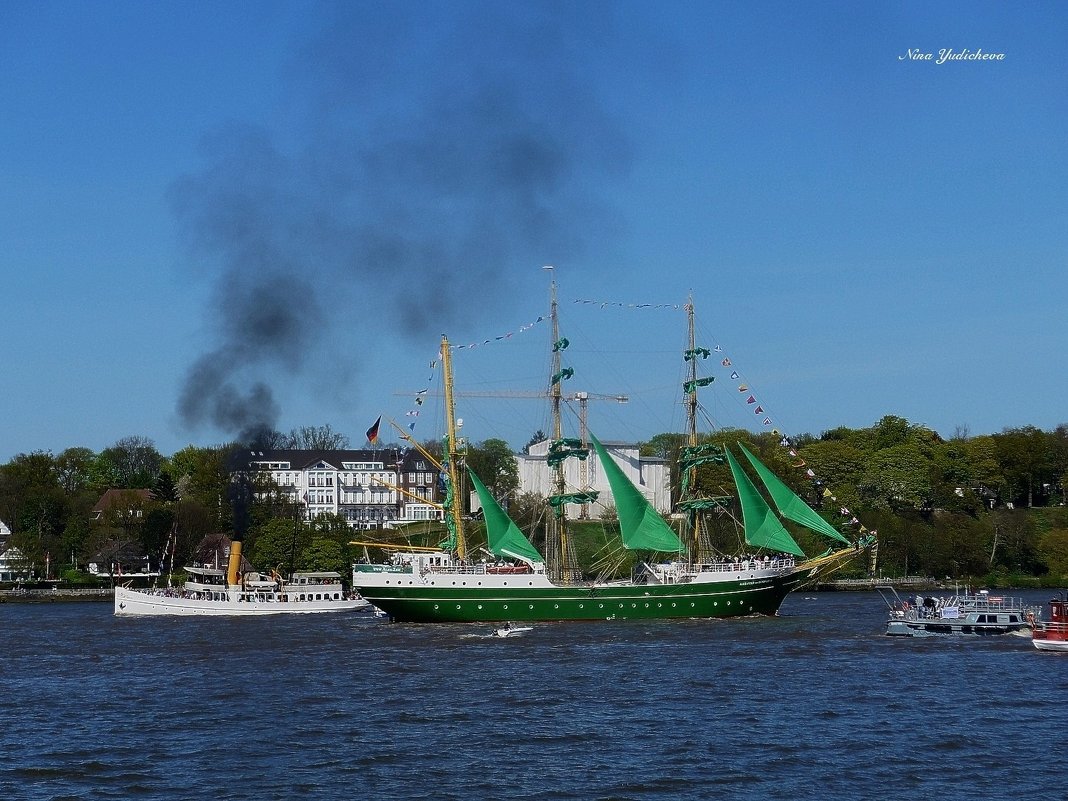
14	566
650	475
359	485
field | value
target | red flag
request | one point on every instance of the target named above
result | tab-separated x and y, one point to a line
372	432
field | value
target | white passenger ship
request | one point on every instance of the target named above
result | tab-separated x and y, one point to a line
207	591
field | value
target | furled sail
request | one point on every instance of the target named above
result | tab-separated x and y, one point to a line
762	527
640	525
789	504
503	536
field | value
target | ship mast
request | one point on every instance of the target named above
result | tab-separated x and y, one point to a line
691	431
565	568
453	453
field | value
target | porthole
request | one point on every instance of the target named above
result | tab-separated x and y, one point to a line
600	606
435	607
480	606
556	606
582	606
457	606
531	606
505	606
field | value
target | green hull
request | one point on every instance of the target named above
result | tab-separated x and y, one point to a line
414	604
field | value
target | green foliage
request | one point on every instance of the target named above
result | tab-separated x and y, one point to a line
324	554
988	505
277	544
493	462
1053	546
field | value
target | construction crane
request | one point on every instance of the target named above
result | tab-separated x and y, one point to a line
583	399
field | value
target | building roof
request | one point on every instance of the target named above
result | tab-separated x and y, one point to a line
120	497
303	459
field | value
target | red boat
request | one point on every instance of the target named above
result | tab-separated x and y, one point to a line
1052	635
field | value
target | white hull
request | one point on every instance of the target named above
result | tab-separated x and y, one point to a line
154	602
1051	645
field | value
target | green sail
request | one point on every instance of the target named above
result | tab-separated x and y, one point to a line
641	527
762	527
503	535
789	504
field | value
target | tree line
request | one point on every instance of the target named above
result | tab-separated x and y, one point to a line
965	506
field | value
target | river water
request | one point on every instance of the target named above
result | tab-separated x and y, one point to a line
814	703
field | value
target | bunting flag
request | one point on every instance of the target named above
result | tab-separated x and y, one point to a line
500	338
372	432
604	304
743	388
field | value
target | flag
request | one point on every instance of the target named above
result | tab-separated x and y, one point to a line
751	399
735	376
743	387
726	362
372	432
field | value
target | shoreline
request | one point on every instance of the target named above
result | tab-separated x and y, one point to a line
55	594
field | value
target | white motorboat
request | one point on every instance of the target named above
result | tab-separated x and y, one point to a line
512	631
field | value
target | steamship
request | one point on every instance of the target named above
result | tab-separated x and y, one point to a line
212	591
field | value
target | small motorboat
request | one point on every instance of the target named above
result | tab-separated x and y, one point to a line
962	614
512	631
1052	635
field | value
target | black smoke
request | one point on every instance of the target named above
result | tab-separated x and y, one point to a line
435	155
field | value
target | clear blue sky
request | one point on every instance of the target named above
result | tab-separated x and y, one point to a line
214	212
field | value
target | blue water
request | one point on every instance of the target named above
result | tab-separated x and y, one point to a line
815	703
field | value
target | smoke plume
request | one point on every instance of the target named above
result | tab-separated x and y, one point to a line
430	154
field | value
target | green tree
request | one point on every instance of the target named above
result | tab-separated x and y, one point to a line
494	463
74	469
323	554
1026	459
278	544
1053	550
136	461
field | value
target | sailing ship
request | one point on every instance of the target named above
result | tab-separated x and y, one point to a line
689	580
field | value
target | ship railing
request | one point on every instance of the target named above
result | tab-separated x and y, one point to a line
461	570
1055	626
738	565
